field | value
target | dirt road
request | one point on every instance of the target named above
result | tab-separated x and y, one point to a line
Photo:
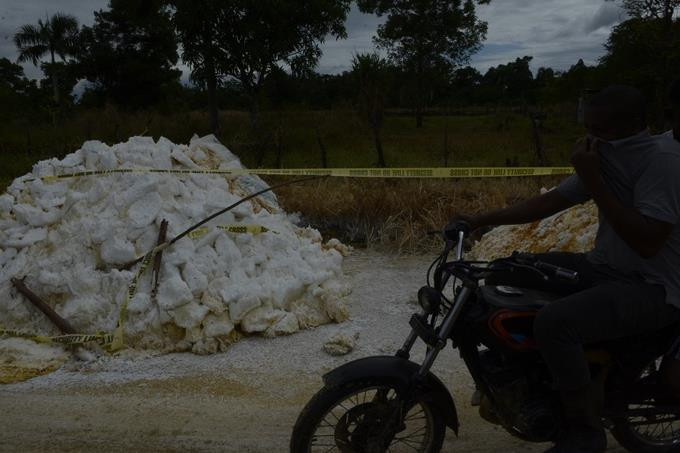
244	400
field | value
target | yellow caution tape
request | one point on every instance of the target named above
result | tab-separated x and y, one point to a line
240	229
442	172
113	342
69	339
118	341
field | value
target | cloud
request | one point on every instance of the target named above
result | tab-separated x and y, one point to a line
555	32
337	54
610	13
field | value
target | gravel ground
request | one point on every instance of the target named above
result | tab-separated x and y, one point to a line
244	400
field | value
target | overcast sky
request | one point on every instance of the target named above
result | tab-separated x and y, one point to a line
555	32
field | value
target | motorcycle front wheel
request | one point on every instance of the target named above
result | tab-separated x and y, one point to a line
367	416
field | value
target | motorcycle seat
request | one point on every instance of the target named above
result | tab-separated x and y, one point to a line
516	298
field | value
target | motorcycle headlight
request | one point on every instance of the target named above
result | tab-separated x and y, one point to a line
429	298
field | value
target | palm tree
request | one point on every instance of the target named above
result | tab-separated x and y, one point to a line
56	36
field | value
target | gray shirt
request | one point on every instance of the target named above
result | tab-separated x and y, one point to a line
643	172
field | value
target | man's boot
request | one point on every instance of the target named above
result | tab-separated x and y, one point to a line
584	431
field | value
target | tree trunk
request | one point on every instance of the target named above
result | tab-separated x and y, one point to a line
212	97
419	94
55	88
322	148
254	111
55	85
378	147
279	147
446	143
536	120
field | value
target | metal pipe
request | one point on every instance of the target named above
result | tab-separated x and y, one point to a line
445	331
459	247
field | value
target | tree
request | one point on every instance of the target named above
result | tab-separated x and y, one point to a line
11	75
512	80
649	9
371	75
661	13
640	53
465	84
256	37
197	24
422	34
12	85
130	51
544	77
56	36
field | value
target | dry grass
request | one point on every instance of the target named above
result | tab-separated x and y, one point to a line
397	214
394	214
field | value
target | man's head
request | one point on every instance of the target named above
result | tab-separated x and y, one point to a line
674	100
617	112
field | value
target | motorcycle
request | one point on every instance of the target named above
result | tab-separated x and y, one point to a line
390	404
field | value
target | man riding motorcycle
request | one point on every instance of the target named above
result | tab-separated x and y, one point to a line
670	371
630	281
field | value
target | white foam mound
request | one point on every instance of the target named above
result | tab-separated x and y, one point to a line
66	237
572	230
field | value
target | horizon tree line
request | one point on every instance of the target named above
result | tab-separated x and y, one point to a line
267	51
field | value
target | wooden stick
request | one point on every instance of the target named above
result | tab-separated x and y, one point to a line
63	325
156	272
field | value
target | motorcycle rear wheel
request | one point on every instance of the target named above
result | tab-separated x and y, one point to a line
657	436
656	432
354	417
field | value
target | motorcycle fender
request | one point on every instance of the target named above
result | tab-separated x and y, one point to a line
401	372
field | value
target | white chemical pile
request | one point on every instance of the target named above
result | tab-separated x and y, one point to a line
572	230
67	238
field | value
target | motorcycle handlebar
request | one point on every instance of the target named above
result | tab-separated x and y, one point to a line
557	271
452	230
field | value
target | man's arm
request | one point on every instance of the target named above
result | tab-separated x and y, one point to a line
643	234
536	208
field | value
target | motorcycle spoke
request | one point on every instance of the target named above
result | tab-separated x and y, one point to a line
646	422
657	426
335	417
402	441
415	432
353	419
343	406
413	416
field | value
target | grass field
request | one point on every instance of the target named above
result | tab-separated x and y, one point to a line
470	140
364	212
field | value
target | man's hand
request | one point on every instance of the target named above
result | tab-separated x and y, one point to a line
473	221
586	162
530	210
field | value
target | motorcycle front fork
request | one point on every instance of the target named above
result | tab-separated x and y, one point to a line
441	333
